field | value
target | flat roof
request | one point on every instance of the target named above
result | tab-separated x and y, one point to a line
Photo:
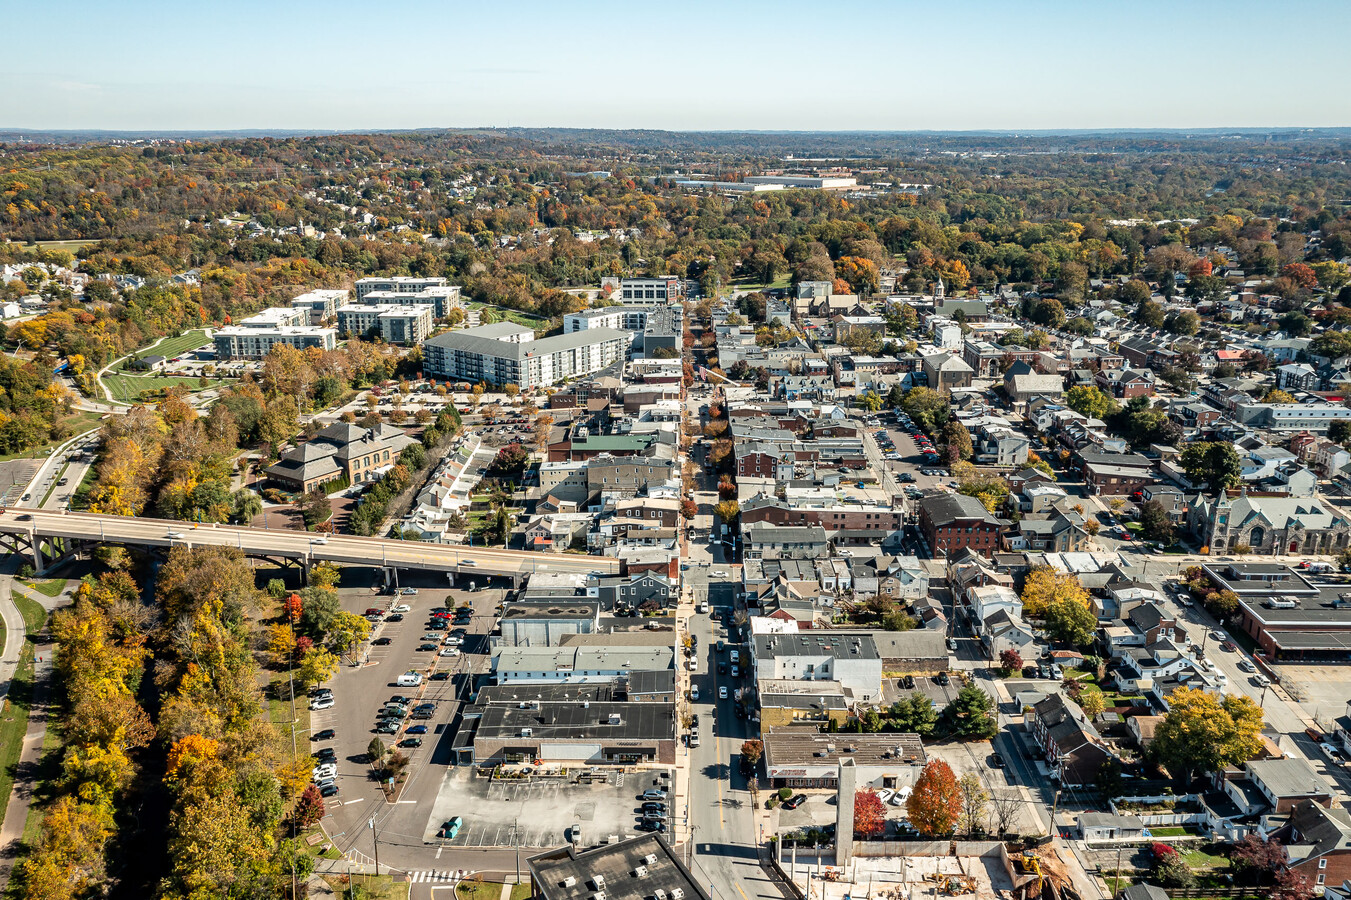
570	720
473	341
793	746
569	874
816	642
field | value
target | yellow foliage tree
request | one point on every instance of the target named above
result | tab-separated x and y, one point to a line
1046	586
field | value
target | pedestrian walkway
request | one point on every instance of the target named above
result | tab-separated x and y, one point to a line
21	796
423	876
14	631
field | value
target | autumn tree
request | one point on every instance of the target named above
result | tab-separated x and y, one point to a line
728	511
1090	401
870	814
1202	732
1069	620
1010	661
1045	586
935	804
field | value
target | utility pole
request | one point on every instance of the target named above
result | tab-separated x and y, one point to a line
375	840
1051	830
516	842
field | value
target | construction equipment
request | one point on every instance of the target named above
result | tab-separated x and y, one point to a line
1032	864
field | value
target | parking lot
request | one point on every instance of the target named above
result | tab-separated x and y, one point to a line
360	690
540	811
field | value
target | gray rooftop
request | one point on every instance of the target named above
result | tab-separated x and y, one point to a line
473	341
569	874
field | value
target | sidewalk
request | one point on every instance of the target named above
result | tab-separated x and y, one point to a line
14	633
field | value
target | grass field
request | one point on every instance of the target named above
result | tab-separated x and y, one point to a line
171	347
515	315
68	246
79	421
129	387
376	887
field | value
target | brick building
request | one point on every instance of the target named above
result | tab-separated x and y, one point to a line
952	522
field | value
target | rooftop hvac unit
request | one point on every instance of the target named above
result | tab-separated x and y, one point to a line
640	871
570	881
598	895
677	893
614	719
526	732
650	859
658	894
599	882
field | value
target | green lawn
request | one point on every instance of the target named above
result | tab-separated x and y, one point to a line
69	246
490	890
170	347
369	887
14	718
128	388
51	587
1199	859
514	315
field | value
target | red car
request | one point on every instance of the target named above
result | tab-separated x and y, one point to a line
1228	645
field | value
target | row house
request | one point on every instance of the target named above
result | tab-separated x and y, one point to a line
1072	745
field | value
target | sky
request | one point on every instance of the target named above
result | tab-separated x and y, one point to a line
691	65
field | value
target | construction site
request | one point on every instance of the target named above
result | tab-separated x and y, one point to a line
930	870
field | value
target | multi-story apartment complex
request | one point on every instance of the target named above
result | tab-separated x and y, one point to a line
240	342
320	305
441	298
400	284
509	355
394	324
649	291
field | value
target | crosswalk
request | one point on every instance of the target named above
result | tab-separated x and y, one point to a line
427	875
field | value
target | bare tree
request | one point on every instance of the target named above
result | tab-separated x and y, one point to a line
1003	810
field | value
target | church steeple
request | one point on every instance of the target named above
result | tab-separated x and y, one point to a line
939	291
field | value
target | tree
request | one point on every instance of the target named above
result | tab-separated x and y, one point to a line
1109	781
1257	858
870	814
1045	585
316	667
1010	661
974	800
543	425
1004	808
1340	431
310	807
727	511
1071	621
281	643
1184	323
927	408
1204	733
915	714
870	400
1216	465
1154	522
1092	703
1087	400
315	508
1293	885
1170	869
958	442
751	751
1301	274
971	715
1151	314
936	801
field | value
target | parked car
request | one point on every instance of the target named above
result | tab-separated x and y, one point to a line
795	802
653	794
321	703
411	743
1228	645
329	790
382	642
326	734
1330	751
429	648
1247	665
401	608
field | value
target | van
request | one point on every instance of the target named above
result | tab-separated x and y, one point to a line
410	679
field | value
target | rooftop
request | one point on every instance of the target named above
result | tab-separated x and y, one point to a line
792	746
634	869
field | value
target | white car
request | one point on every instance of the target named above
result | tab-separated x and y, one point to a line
319	540
409	591
1261	680
1246	665
722	692
325	770
450	651
401	607
1217	635
175	535
720	574
885	795
1330	751
321	703
902	796
694	692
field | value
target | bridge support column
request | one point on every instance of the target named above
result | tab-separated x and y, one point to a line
305	572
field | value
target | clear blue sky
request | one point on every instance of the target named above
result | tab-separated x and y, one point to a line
741	64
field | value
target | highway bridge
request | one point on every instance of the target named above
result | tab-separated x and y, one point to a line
51	536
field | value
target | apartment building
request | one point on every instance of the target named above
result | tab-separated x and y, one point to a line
241	342
393	323
506	356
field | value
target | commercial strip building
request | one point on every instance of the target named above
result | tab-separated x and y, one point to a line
640	868
799	757
506	353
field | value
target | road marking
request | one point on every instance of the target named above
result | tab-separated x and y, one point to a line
740	891
405	801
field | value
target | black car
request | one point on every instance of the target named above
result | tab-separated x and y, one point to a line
654	809
440	676
328	790
399	700
326	734
695	720
381	642
423	714
722	668
996	761
795	802
437	625
942	678
908	682
411	742
427	647
397	617
651	825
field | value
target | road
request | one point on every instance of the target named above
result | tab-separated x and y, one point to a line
303	546
721	810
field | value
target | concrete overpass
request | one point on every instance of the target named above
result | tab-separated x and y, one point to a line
51	536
